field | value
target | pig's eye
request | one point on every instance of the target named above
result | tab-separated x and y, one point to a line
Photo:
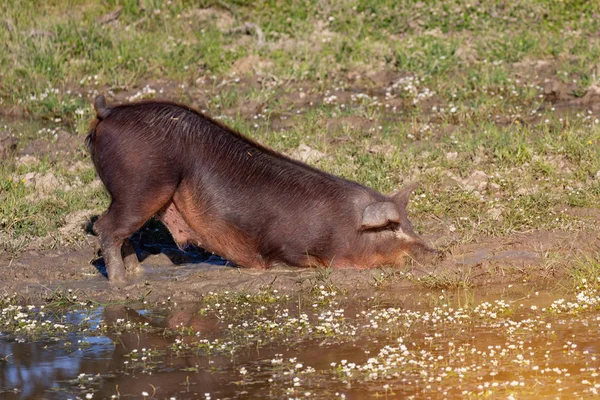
392	226
389	227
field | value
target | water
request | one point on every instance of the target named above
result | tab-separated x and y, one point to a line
507	341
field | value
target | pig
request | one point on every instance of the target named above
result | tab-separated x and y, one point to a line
214	187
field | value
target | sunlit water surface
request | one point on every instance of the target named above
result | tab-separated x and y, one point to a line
502	342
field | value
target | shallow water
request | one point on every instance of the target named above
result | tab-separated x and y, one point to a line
506	341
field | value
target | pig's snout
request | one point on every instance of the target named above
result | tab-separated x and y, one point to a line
425	254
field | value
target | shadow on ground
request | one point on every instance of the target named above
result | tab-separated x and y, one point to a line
154	244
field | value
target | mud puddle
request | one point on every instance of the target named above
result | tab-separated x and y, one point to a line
509	340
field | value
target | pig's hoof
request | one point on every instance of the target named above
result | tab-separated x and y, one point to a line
118	281
132	265
133	269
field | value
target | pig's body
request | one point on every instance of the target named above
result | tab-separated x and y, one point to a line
215	188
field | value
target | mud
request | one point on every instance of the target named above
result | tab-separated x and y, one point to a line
38	275
188	275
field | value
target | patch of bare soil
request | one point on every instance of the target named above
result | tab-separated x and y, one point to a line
8	145
560	94
307	154
37	274
583	212
12	111
251	64
556	91
202	16
252	73
534	69
247	109
150	89
353	122
590	100
62	144
283	122
299	99
563	101
541	254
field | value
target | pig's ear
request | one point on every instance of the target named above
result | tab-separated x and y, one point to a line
401	198
378	215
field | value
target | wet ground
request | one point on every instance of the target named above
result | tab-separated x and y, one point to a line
515	341
185	276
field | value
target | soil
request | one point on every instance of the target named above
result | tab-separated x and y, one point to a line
186	276
8	144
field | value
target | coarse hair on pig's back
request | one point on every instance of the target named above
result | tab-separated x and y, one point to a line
184	124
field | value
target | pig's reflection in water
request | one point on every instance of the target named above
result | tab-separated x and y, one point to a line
185	375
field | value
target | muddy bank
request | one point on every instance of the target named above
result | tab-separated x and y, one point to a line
168	273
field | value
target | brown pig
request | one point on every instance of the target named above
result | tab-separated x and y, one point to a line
213	187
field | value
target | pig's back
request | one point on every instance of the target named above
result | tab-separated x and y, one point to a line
242	178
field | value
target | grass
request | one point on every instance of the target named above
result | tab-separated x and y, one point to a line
446	280
586	272
450	94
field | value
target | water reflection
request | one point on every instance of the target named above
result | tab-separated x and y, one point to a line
527	354
52	368
34	367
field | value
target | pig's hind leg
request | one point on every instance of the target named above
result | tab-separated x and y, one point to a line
130	260
126	214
